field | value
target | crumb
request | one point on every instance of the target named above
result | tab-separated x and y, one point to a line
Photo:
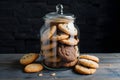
40	74
109	64
53	74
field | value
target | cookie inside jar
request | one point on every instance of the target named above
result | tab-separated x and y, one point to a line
59	41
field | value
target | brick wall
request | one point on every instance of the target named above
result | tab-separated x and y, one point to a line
20	21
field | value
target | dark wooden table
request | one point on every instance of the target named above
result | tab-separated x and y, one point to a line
10	69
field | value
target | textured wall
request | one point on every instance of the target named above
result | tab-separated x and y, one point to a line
20	21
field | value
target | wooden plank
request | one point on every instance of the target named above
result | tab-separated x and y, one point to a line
10	69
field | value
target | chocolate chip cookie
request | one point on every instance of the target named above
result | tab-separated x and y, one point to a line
67	53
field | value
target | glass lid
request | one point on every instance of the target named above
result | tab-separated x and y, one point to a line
59	14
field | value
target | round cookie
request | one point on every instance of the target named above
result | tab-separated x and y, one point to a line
70	64
69	41
34	67
84	70
67	53
48	46
68	28
88	63
28	58
59	36
46	34
89	57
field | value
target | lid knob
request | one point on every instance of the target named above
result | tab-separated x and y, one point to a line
59	9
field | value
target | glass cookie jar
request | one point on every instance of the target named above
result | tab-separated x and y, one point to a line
59	40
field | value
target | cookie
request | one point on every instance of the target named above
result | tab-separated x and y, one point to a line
69	41
48	54
88	63
89	57
28	58
67	53
68	28
59	36
34	67
84	70
53	59
46	34
69	64
48	46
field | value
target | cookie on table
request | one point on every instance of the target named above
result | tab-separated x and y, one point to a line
67	53
48	46
68	29
70	41
89	57
46	34
84	70
28	58
88	63
34	67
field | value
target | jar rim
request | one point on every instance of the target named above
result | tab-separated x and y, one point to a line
54	15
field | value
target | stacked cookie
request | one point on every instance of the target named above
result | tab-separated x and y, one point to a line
87	64
59	41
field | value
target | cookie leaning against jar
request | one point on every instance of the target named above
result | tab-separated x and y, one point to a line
87	65
28	58
89	57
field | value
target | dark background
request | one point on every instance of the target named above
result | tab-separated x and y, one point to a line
20	21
